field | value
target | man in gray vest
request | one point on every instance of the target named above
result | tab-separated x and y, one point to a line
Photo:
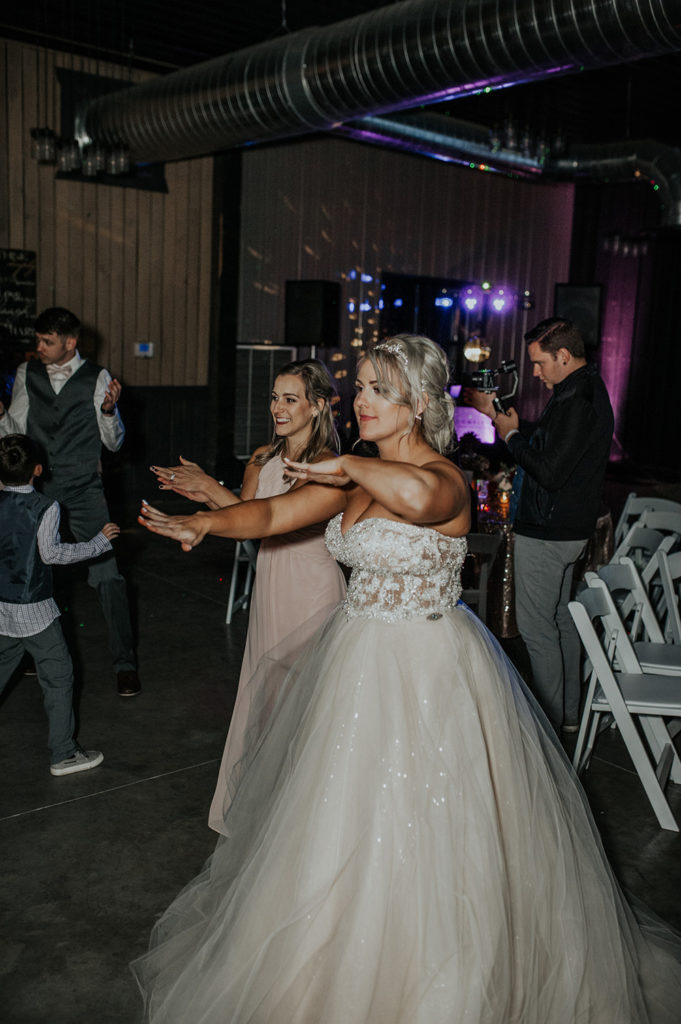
68	405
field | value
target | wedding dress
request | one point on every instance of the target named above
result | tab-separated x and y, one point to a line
407	842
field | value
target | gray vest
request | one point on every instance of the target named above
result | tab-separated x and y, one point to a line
66	427
24	577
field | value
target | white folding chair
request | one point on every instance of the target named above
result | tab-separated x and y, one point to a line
670	579
483	547
642	627
640	544
245	552
650	577
619	688
662	522
634	507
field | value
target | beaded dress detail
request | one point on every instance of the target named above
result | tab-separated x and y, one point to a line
414	572
407	843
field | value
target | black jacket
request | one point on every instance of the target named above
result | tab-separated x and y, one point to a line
564	457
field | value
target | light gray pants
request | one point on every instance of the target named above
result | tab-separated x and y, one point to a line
542	571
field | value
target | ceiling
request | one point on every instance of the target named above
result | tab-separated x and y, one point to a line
631	101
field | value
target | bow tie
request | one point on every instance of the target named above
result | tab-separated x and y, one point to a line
58	372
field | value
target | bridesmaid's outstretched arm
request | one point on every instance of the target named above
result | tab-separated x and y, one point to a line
250	520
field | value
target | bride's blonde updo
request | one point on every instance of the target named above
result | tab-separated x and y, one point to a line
411	369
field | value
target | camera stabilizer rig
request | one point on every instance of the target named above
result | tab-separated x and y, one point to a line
488	381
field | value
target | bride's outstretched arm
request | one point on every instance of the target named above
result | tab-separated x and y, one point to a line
250	520
431	493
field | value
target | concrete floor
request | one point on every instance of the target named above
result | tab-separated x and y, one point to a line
90	860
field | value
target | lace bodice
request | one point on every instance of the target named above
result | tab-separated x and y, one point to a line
399	571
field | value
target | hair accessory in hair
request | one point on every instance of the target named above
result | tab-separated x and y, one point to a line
394	349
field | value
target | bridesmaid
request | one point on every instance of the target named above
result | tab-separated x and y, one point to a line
296	563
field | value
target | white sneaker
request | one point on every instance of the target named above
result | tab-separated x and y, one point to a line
79	761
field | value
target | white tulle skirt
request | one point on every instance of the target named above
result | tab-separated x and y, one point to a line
406	844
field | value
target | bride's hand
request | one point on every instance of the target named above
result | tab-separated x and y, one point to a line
188	530
328	471
188	480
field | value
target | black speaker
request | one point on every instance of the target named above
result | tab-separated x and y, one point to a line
312	315
581	303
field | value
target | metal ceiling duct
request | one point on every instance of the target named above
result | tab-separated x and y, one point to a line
445	138
398	56
442	138
626	161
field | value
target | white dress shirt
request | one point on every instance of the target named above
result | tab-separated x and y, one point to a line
17	620
111	429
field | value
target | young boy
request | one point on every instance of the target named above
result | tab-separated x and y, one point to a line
29	544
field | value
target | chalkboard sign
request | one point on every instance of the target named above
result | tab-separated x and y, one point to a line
17	295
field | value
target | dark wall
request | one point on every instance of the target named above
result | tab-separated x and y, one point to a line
619	245
653	410
161	424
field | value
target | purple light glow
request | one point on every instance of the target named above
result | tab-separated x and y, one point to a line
469	421
490	84
619	317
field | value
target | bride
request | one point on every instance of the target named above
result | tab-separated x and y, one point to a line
407	842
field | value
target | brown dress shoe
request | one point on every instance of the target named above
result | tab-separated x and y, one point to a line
128	683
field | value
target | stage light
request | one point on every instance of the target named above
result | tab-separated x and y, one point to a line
444	302
500	300
471	298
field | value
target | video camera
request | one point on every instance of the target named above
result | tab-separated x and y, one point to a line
488	381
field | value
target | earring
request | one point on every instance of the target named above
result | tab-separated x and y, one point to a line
315	413
419	418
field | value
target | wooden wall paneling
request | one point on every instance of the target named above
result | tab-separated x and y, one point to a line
113	329
30	116
102	305
74	294
141	294
89	251
136	266
134	369
203	289
183	346
193	248
15	149
60	276
4	150
45	199
154	295
169	297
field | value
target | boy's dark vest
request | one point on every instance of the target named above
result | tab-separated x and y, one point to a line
66	427
24	577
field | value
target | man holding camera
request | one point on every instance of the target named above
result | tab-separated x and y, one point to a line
564	457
